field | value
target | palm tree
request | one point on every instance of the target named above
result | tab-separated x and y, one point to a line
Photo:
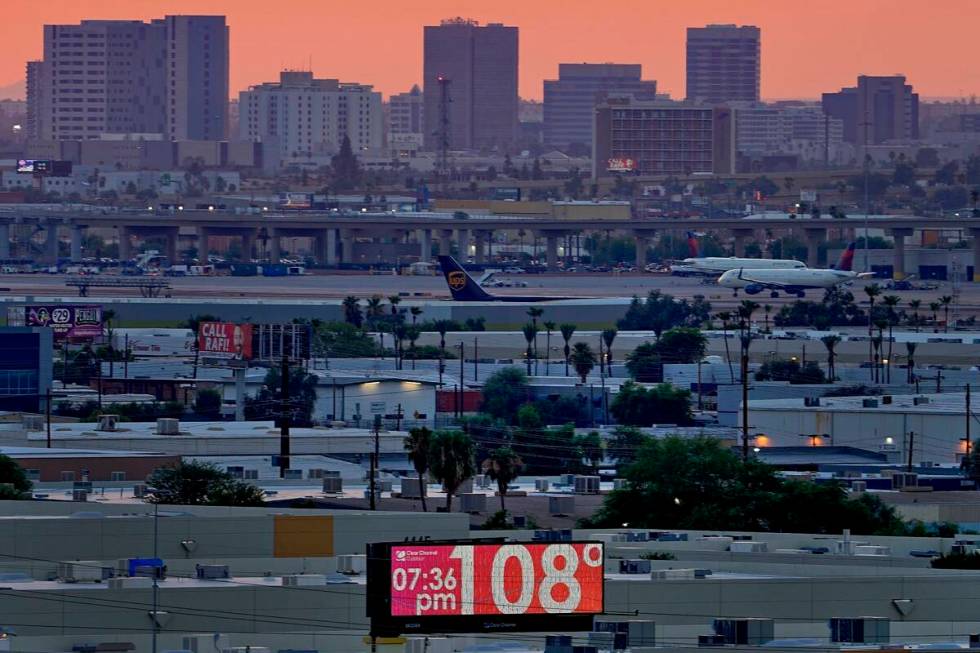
108	315
549	326
745	310
502	466
768	309
452	461
534	313
399	332
910	368
915	304
567	331
582	359
415	311
830	342
418	447
725	317
530	334
945	301
352	311
375	307
872	292
934	307
394	300
891	302
412	333
608	336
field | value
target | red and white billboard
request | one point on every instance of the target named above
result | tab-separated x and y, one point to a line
225	340
621	164
445	580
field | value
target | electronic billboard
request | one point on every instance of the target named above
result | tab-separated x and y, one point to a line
473	586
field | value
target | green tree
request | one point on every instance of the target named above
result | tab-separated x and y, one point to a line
266	404
946	301
418	446
831	342
626	440
582	359
790	370
608	337
530	332
659	312
452	461
549	326
207	403
13	480
588	446
635	405
345	168
197	483
503	393
503	465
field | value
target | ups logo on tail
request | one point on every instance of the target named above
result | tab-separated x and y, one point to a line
456	280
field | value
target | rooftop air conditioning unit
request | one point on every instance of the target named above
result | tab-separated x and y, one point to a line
620	484
473	502
251	475
859	486
482	481
212	572
586	484
886	399
627	633
745	632
811	401
83	571
79	495
561	505
352	564
748	547
124	582
412	489
33	422
304	580
333	485
139	490
554	644
634	566
315	473
108	422
672	574
168	426
869	403
605	641
542	484
918	401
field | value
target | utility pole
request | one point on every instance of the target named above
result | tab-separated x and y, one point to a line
284	417
908	466
47	414
966	437
745	404
476	361
374	461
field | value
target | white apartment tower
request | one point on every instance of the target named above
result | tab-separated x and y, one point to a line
309	116
168	76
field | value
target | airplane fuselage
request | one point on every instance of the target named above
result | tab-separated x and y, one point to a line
720	264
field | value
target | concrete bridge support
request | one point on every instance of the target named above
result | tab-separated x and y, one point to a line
898	265
330	244
739	236
463	244
480	243
346	246
814	238
124	236
275	246
425	245
4	240
551	251
445	242
51	243
642	240
76	244
248	244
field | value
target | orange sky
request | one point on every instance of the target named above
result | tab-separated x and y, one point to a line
807	47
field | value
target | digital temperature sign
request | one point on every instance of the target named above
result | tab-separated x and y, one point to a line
466	586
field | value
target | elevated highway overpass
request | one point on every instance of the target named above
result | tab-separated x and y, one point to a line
335	232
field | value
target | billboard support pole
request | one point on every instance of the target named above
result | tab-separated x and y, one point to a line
240	394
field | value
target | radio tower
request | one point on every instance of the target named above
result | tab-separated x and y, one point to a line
443	132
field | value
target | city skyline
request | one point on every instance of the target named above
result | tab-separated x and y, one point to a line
802	55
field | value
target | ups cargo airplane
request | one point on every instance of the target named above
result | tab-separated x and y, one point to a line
465	289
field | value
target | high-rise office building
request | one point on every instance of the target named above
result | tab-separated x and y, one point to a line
168	76
480	65
405	120
723	63
662	138
878	109
309	116
197	77
570	100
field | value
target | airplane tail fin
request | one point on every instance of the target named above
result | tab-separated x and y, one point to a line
461	285
692	244
846	262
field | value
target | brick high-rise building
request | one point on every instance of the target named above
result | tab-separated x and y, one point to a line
480	63
723	63
168	76
878	109
570	100
662	138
